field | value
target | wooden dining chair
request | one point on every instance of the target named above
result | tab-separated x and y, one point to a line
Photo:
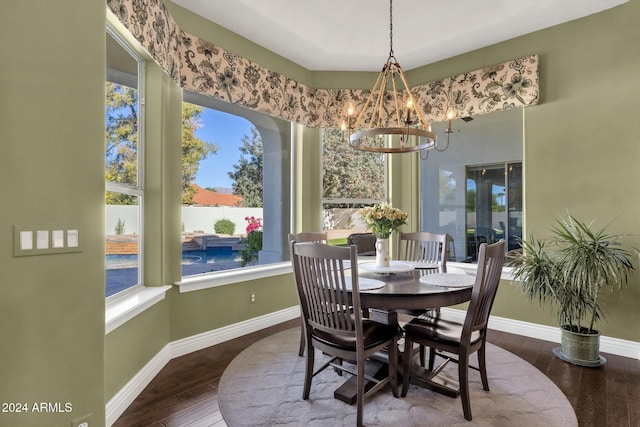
439	332
426	247
328	294
365	242
423	246
306	236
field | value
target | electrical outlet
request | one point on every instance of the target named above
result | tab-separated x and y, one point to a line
253	297
81	422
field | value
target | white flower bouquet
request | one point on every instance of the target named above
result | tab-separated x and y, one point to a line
382	219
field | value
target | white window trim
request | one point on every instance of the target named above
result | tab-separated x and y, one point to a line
472	269
136	190
229	277
120	310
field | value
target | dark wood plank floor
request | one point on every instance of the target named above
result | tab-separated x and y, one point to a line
185	392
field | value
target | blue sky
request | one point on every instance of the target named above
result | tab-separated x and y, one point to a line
226	131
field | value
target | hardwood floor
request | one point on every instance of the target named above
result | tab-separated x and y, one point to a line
185	392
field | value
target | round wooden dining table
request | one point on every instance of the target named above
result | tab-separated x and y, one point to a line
408	290
405	291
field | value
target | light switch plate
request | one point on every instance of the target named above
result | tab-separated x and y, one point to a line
73	238
26	240
57	239
42	239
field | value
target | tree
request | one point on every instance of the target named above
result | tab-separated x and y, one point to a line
447	189
194	149
122	143
121	140
247	174
349	173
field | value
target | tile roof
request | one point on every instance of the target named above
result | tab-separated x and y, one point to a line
204	197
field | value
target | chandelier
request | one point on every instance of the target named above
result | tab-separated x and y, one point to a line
391	110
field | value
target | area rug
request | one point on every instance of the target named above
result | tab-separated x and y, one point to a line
263	387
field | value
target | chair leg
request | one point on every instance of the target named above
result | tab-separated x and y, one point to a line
406	365
393	367
360	391
338	361
422	355
432	358
482	366
303	341
463	379
308	374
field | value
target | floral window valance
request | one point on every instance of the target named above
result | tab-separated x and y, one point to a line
205	68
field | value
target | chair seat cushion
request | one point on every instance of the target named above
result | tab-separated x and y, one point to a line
436	326
374	333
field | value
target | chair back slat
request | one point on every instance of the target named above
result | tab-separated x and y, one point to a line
323	286
490	263
308	236
423	246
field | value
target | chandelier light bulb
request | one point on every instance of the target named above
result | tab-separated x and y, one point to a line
350	110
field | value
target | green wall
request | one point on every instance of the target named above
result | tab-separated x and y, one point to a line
209	309
52	174
308	181
581	143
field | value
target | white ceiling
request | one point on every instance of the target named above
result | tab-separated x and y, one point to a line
354	34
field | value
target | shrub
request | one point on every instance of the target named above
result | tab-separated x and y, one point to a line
252	243
252	246
120	226
224	226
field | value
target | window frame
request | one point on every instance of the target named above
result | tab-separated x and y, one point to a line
266	126
136	190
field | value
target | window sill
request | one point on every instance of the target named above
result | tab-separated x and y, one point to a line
121	310
223	278
472	269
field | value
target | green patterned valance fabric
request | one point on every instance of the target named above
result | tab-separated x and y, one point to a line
205	68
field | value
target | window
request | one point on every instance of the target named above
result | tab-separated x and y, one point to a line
351	179
473	190
235	210
494	206
123	174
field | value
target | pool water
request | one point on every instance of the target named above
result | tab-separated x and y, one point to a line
209	256
122	270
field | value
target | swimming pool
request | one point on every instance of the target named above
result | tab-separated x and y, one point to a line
216	255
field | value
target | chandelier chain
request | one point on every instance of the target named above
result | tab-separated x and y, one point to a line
391	29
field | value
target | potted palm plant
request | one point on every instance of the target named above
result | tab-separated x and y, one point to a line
572	270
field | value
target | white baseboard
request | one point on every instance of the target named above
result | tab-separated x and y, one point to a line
125	397
121	401
609	345
226	333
